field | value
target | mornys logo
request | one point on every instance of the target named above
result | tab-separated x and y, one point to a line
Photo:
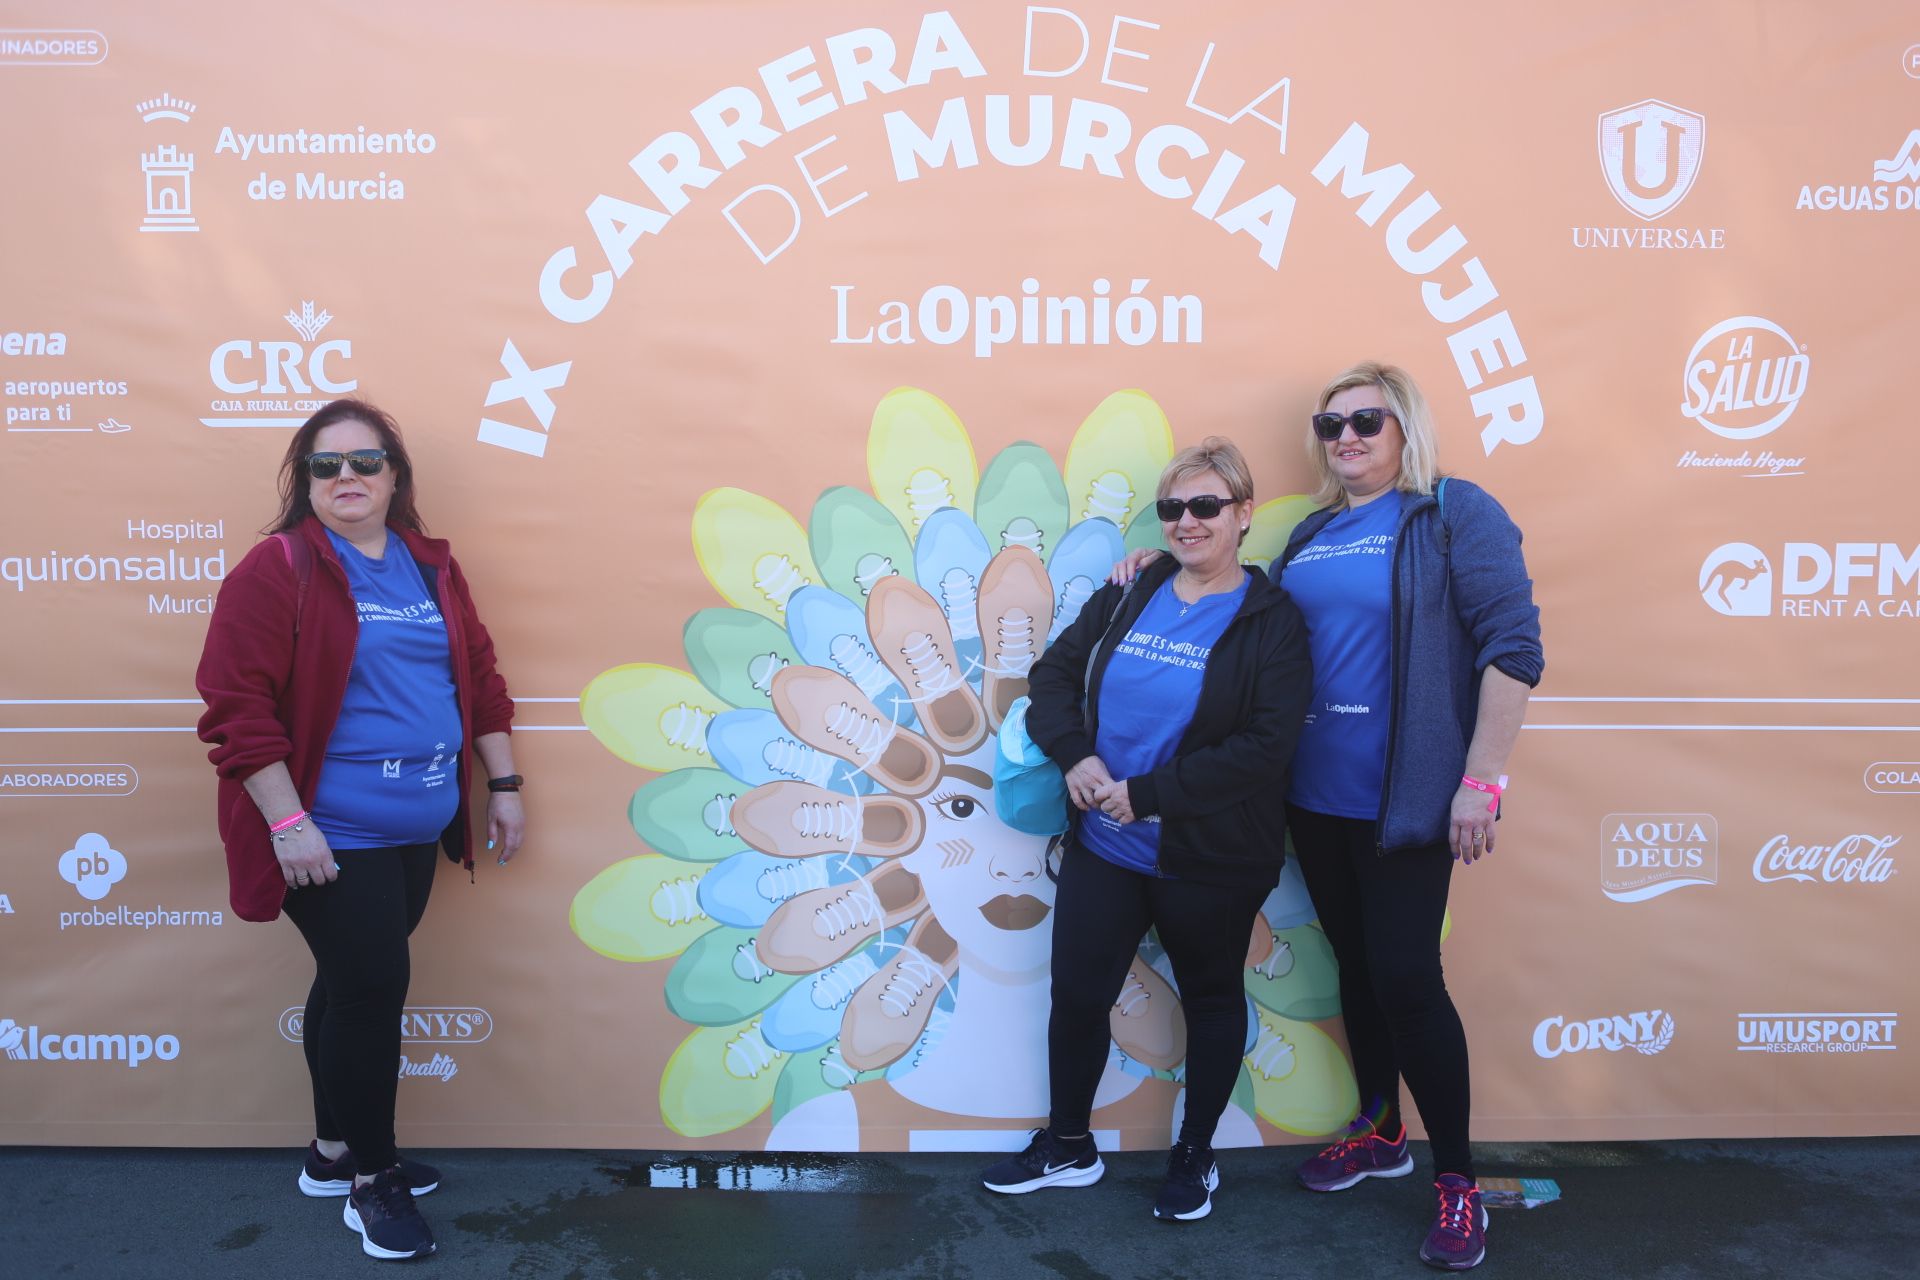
1650	153
1817	1032
419	1024
1855	859
1736	579
1645	855
274	382
1647	1032
1744	378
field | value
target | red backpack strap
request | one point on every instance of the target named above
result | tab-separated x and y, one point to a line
299	559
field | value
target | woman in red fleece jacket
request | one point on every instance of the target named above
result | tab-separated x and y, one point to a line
344	670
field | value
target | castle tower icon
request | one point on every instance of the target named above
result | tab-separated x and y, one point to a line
169	190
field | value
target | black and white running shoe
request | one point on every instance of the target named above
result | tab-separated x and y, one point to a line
1047	1162
383	1213
1187	1193
321	1177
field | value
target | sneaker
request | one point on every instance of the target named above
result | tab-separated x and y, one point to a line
322	1177
1047	1162
1361	1154
1187	1193
382	1212
1458	1240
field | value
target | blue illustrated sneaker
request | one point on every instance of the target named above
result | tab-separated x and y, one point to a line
322	1177
1458	1240
1192	1176
1361	1154
1047	1162
390	1226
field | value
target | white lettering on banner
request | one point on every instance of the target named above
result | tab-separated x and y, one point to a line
1511	410
1815	580
31	1044
946	315
441	1068
39	781
1817	1032
1647	1033
1724	396
40	48
19	571
1855	859
6	905
1895	186
33	344
419	1024
1893	777
274	367
1647	855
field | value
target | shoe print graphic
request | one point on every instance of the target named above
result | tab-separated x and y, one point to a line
816	848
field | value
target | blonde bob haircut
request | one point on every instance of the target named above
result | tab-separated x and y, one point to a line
1419	457
1218	455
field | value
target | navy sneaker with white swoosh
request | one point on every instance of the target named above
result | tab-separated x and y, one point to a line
1047	1162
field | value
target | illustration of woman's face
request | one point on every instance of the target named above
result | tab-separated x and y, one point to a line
985	882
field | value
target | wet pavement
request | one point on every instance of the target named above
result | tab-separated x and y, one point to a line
1673	1210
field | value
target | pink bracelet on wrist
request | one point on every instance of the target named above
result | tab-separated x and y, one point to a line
284	823
1494	789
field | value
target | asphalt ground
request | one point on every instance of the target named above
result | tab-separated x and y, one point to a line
1671	1210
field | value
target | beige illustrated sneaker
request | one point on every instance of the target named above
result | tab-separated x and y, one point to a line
911	635
799	820
828	712
890	1010
816	928
1146	1021
1016	605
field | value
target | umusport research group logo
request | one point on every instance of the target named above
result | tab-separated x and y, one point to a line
1736	579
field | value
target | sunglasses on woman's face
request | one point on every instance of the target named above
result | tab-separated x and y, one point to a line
1204	507
1366	422
365	462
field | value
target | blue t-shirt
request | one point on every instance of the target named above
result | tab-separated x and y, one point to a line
1343	582
1147	696
389	777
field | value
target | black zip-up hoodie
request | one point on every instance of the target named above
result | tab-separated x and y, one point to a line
1222	798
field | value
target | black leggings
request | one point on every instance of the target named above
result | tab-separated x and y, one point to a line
357	928
1101	913
1382	914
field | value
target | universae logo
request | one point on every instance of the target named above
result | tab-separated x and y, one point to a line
1650	153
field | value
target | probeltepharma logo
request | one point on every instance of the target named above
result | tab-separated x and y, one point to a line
1841	580
1645	855
1895	187
274	382
168	169
93	866
31	1044
1650	156
1646	1032
1743	379
1854	859
1817	1032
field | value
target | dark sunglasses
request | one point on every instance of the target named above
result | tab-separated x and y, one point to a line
1366	422
1204	507
365	462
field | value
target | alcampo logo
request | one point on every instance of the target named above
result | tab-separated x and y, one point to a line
277	383
1815	580
93	866
30	1044
1736	579
1646	1032
1650	153
1854	859
1744	378
1645	855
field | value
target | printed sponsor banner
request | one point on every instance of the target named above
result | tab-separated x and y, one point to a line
786	377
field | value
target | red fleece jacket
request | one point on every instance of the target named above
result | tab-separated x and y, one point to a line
273	697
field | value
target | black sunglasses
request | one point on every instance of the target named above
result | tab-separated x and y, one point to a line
1366	422
1204	507
365	462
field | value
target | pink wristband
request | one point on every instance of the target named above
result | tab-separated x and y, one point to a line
284	823
1494	789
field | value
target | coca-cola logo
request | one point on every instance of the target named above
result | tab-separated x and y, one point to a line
1855	859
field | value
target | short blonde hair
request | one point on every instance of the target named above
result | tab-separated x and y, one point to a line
1419	457
1218	455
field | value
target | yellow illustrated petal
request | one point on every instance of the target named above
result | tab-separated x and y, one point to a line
919	457
1116	458
1272	523
751	550
719	1079
1301	1081
650	715
640	909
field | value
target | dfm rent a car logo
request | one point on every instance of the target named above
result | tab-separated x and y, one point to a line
1647	1032
1645	855
31	1044
282	382
1855	859
1650	153
93	866
1744	378
1817	1032
1815	580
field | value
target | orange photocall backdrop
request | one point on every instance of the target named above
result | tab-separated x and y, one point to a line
1653	267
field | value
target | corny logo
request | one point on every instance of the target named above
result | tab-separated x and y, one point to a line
1647	1032
93	866
1650	153
1645	855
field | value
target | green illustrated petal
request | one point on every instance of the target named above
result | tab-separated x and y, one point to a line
857	542
1301	1081
688	814
1272	523
1146	531
751	550
1300	979
735	653
1116	458
718	1079
919	457
1023	501
639	909
814	1074
720	980
649	715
